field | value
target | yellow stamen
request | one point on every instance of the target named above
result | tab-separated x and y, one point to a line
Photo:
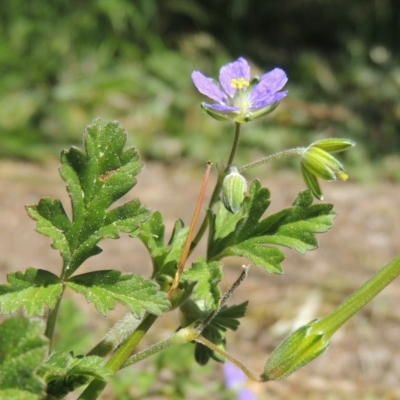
343	176
239	83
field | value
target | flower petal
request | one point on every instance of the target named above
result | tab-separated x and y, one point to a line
221	107
234	70
246	394
268	100
208	87
234	376
269	84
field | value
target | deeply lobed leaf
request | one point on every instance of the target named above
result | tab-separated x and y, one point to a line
250	236
104	288
32	290
164	256
95	178
207	276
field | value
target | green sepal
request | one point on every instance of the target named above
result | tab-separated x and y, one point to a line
321	164
237	116
334	145
32	290
312	183
234	187
301	347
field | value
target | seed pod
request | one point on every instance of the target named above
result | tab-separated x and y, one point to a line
234	188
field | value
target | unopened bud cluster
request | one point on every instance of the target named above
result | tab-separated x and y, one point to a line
317	162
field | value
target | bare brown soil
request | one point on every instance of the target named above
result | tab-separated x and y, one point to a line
363	361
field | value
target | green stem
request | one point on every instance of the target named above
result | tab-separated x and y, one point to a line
298	151
212	346
218	187
333	321
116	335
234	146
52	318
183	336
119	357
188	333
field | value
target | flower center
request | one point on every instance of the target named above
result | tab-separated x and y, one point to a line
239	83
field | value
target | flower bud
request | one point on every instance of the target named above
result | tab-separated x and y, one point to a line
321	164
234	188
317	162
301	347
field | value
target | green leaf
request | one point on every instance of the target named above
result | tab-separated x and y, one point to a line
227	318
33	290
164	257
294	227
96	178
64	373
229	220
152	234
48	215
23	347
207	276
215	331
255	250
104	288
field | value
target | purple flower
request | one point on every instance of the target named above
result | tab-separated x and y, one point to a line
237	97
235	379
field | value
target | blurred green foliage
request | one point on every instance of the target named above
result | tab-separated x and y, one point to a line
171	374
63	63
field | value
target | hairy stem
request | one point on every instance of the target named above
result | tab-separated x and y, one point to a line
234	146
119	357
188	333
277	156
359	298
52	318
212	346
217	188
183	336
116	335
